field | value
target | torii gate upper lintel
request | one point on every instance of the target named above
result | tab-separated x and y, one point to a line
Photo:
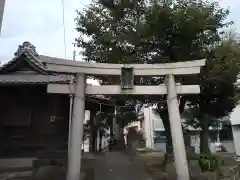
80	89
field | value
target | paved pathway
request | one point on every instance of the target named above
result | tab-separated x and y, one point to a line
117	166
15	162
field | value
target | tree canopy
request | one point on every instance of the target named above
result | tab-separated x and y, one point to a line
129	31
137	31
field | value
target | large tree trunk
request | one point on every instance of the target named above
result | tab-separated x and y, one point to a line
163	113
166	124
120	140
100	141
111	137
204	146
93	132
93	138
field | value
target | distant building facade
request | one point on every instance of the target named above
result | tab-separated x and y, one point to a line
153	129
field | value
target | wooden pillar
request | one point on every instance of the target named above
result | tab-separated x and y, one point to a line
76	130
176	131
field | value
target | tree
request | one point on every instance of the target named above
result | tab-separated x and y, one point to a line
125	116
127	31
219	91
104	122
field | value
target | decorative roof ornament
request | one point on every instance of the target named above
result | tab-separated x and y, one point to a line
26	46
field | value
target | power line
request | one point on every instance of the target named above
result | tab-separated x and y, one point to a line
64	29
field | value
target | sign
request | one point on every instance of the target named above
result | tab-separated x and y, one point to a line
127	78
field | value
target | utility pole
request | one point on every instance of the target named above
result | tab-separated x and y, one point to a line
74	55
71	104
2	5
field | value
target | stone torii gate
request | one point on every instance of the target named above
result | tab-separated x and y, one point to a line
80	69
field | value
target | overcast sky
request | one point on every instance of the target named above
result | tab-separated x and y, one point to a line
40	22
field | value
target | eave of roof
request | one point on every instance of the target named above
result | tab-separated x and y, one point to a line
31	59
32	79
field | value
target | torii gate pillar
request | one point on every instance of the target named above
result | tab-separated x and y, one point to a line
76	130
176	130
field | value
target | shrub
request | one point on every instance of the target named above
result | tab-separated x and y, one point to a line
208	162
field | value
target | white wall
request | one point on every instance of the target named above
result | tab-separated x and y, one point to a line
152	122
235	116
148	127
86	143
235	121
195	142
236	137
229	145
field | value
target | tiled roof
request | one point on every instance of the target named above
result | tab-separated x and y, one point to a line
31	79
45	58
31	57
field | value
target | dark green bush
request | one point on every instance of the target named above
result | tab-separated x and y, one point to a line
208	162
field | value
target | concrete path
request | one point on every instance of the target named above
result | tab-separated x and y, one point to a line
117	166
16	162
11	168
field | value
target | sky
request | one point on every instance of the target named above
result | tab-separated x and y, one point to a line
41	23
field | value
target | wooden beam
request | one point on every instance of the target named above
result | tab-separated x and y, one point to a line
116	89
68	66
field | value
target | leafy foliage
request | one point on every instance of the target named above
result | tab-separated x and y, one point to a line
125	116
136	31
219	91
208	162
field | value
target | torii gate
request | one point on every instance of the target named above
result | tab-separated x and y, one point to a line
80	69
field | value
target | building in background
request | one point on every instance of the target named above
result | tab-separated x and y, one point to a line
235	122
153	129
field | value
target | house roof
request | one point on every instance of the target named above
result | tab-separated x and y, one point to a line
31	57
33	79
27	52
